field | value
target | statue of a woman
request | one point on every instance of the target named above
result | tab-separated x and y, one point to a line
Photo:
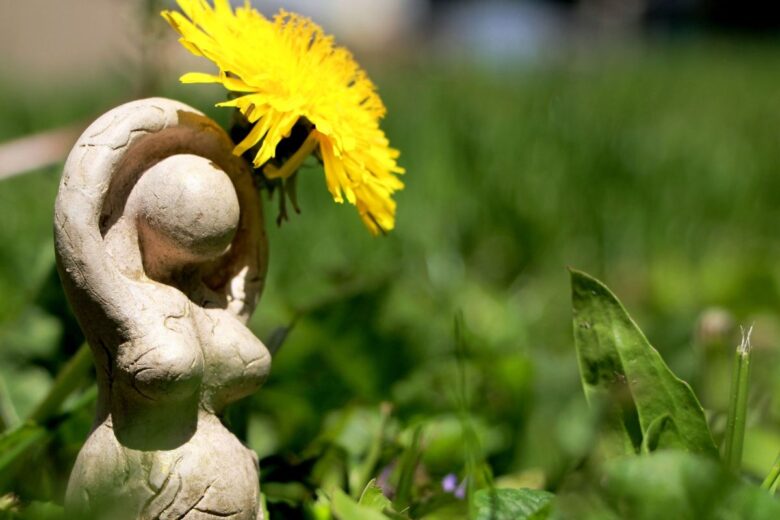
162	252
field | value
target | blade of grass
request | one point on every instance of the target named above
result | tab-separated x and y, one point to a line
16	445
473	449
9	419
735	427
72	376
19	445
408	465
15	448
771	479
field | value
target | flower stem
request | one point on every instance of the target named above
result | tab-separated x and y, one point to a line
770	482
735	427
407	466
294	162
361	476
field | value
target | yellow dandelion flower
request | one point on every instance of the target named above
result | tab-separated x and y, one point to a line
287	70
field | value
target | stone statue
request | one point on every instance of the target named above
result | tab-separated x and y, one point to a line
162	251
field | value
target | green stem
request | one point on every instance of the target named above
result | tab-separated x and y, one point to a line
72	375
408	465
363	473
771	478
735	427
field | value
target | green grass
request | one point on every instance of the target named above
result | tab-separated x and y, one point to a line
655	169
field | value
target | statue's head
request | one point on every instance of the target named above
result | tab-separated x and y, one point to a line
186	210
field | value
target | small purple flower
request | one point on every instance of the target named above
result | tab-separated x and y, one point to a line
383	481
460	493
449	483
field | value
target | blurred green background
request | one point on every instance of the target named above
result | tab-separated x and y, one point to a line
652	164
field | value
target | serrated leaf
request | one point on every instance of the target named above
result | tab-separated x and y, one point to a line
344	508
620	367
512	504
373	498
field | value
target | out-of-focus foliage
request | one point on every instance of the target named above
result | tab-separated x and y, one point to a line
655	169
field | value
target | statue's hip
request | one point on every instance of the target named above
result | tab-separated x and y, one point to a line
211	475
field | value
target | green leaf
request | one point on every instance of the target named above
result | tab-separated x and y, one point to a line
74	374
9	417
329	471
264	506
450	439
292	493
512	504
318	509
34	334
18	446
662	433
771	479
619	367
373	498
344	508
360	472
43	511
691	486
441	506
26	254
15	446
26	385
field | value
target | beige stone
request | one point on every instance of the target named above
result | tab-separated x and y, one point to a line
162	252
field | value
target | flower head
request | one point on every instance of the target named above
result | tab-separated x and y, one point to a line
287	71
449	484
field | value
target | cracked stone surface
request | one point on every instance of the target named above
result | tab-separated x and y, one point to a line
162	252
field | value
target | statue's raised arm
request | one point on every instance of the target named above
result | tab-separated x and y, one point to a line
104	167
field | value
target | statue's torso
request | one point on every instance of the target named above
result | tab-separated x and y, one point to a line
165	391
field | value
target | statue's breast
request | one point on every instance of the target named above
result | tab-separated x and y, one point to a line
236	362
165	362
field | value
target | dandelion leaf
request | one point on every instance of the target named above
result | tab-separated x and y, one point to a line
373	498
645	405
345	508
